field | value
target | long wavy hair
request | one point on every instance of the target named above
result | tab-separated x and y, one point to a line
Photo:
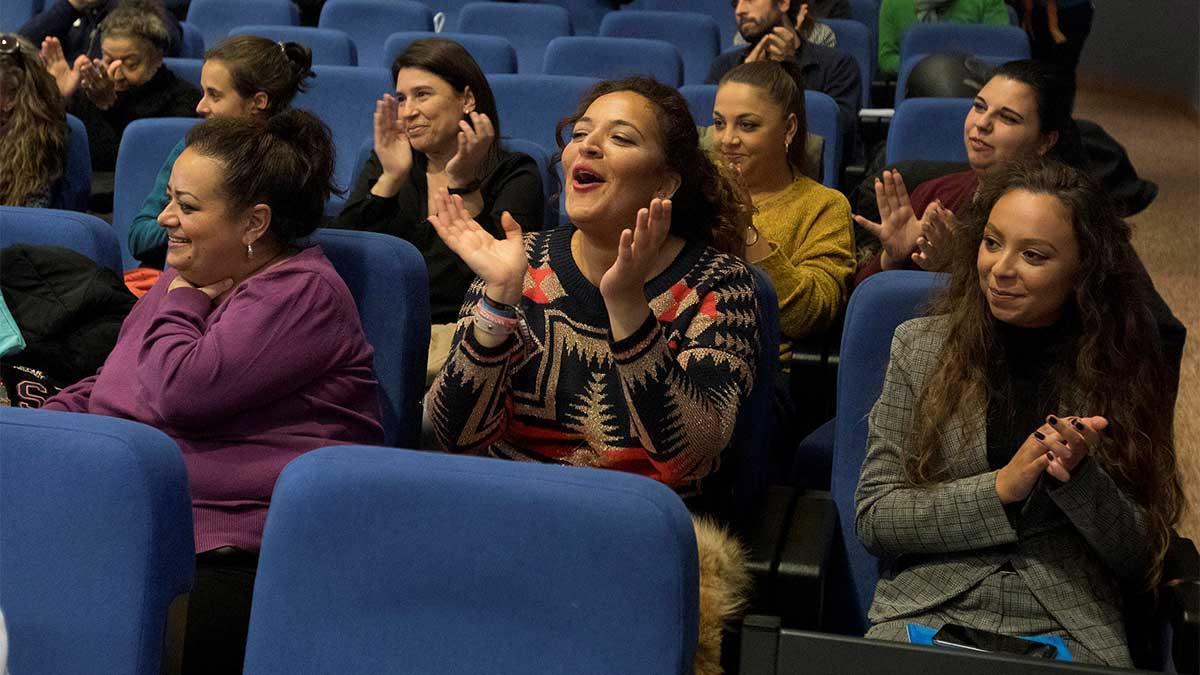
1118	366
34	138
709	205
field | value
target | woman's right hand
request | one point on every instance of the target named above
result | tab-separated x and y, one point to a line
391	146
500	263
898	227
65	76
1016	479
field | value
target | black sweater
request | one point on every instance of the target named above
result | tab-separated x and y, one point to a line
513	186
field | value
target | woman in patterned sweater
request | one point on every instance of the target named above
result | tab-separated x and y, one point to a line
627	340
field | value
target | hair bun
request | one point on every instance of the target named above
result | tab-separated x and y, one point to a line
300	57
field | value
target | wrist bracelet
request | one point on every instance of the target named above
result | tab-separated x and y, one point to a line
495	323
496	307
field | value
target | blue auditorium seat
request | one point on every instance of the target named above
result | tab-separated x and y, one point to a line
877	307
14	13
823	118
75	187
586	15
493	53
370	22
187	70
542	157
1005	42
720	10
695	35
612	58
381	560
390	284
529	27
930	129
866	12
531	105
344	98
214	18
95	543
329	47
857	40
700	99
143	150
192	46
83	233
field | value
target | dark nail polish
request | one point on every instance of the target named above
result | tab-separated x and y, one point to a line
1077	425
1052	420
1062	441
1039	435
1050	454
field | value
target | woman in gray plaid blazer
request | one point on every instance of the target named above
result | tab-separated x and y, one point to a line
1020	472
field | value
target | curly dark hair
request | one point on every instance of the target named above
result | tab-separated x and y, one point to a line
709	204
1118	366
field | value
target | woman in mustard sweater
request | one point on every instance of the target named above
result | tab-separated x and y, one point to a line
802	235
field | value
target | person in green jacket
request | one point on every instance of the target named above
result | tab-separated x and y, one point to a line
243	75
895	16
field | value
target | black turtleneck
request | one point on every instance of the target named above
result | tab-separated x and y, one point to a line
1021	378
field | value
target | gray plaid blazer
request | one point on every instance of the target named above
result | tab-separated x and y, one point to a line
1074	544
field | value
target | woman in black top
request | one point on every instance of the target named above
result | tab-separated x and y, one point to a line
440	130
127	84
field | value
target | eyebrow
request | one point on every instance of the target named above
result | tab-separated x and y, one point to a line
616	123
1003	108
1030	241
171	190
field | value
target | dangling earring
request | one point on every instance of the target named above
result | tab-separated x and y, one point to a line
249	251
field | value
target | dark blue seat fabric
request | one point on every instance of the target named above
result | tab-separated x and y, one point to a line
877	307
185	69
857	40
700	99
74	188
493	53
143	150
720	10
929	129
370	22
192	46
214	18
611	58
531	105
823	118
1007	42
529	27
14	13
549	186
390	284
380	560
95	542
80	232
329	47
695	35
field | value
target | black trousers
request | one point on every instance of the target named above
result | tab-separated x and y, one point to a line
1075	23
219	612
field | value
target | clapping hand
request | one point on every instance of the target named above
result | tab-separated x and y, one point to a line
500	263
1072	439
898	227
777	45
637	254
474	140
65	76
391	142
937	227
97	81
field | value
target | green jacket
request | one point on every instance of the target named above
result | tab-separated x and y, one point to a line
895	16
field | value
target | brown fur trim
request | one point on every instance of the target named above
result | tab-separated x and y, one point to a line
724	584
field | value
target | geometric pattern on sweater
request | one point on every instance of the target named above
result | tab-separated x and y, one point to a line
661	402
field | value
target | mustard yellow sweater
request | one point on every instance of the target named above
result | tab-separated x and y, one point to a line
812	253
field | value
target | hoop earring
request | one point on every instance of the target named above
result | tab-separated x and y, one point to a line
249	251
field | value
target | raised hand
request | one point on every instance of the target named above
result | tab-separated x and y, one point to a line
65	76
637	254
777	45
933	246
391	143
97	82
898	227
500	263
474	139
1072	439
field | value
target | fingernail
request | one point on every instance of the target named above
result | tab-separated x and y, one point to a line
1077	425
1039	435
1052	420
1050	454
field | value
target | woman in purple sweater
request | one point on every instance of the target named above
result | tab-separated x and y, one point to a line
248	351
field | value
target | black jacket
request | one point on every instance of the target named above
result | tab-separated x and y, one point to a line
79	32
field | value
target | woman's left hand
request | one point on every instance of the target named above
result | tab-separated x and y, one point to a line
474	140
1072	439
97	81
213	291
637	254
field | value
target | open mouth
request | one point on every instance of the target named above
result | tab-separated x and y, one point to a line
172	239
584	177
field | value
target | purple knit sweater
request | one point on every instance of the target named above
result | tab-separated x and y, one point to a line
280	367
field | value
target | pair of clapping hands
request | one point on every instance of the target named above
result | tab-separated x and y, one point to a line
926	240
1056	448
93	75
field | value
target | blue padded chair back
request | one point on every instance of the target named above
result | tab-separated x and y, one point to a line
344	98
720	10
143	150
695	35
908	66
866	12
80	232
193	42
95	541
542	157
700	99
612	58
531	105
586	15
857	40
187	70
215	18
390	284
529	27
329	47
877	307
14	13
403	562
929	129
73	189
370	22
821	115
1007	42
493	53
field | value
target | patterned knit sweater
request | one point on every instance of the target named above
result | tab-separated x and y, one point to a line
812	253
661	402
